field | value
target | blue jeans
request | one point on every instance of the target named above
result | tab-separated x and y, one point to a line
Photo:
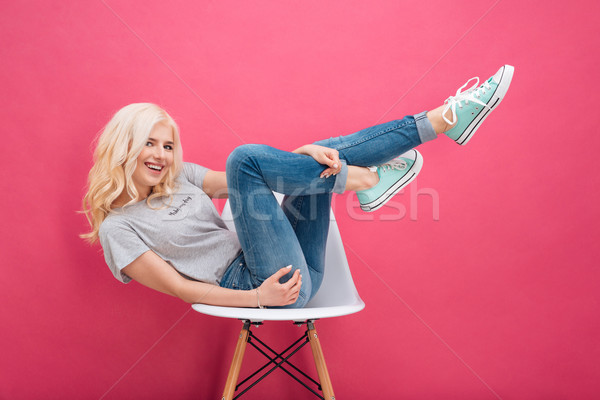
274	236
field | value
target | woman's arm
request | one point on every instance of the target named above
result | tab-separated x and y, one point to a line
152	271
215	184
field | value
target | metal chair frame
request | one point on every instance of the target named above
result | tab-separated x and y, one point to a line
279	360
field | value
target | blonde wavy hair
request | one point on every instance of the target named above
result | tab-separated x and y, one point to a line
115	160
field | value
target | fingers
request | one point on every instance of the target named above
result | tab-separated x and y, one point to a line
279	274
334	169
327	156
293	287
295	280
330	171
333	161
283	293
274	293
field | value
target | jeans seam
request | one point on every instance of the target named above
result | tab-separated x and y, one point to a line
401	124
300	199
234	278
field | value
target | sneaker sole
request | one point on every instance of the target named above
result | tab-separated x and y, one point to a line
496	98
399	185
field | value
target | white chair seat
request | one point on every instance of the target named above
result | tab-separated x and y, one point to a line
296	314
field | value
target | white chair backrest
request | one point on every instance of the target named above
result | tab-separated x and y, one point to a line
338	287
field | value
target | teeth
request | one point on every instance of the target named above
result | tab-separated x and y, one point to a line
155	167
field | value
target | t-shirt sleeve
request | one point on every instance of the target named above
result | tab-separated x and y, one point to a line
194	173
121	247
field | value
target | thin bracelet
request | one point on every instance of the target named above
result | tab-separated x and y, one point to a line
258	300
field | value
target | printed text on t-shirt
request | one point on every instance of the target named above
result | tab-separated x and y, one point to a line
183	204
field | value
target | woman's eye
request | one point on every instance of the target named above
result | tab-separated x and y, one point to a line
169	147
148	144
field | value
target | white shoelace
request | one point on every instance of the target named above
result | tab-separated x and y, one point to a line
397	163
471	94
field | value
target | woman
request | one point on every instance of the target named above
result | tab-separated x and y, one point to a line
156	222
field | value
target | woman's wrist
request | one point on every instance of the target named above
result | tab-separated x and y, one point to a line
258	304
252	298
300	150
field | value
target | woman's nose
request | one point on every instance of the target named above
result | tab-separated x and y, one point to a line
159	152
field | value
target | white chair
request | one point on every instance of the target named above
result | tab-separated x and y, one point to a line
336	297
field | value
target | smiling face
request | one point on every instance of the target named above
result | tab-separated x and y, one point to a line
155	160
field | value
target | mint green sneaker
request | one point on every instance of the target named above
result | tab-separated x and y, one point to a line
393	176
479	101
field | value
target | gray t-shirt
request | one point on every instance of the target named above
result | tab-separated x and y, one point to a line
189	234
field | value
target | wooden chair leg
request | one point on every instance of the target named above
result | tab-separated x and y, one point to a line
236	363
320	362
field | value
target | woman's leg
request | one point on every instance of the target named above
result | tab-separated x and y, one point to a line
267	237
381	143
370	146
272	237
309	218
309	214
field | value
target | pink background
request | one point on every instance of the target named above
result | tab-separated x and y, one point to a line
497	298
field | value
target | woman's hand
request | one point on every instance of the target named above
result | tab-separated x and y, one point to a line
273	293
323	155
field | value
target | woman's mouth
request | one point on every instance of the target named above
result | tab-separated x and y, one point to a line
154	167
